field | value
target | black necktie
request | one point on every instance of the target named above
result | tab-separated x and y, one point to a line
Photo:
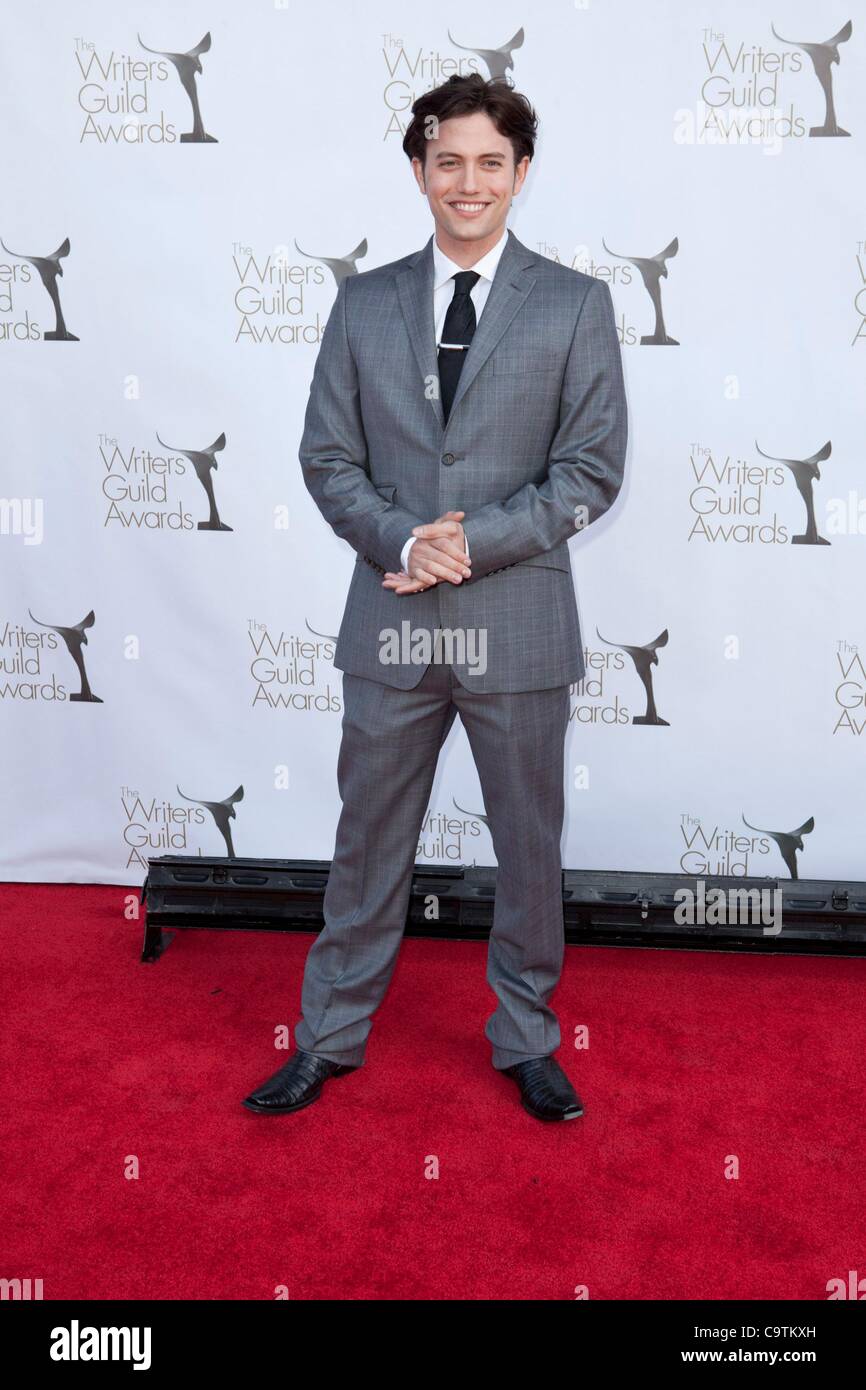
458	329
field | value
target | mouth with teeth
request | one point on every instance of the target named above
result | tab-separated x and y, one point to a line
469	208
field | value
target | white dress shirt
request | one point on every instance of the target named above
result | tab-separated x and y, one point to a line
444	270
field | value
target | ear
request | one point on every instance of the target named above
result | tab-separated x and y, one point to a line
520	171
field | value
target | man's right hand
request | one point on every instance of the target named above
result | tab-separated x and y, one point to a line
431	562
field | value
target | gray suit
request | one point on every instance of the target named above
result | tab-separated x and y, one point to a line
533	450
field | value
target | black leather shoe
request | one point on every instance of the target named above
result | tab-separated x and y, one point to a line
545	1090
295	1085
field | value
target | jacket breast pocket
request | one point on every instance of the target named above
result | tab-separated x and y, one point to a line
524	363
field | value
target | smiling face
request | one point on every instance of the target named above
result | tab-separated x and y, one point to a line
469	179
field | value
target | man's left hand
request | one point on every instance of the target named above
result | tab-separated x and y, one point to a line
403	583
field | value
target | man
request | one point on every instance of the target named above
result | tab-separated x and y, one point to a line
479	384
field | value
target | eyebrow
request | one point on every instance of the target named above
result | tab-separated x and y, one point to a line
450	154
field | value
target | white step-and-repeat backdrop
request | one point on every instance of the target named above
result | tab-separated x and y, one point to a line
181	185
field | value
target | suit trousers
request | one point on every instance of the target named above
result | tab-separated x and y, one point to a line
389	749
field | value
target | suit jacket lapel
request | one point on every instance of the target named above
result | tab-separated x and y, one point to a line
415	289
512	284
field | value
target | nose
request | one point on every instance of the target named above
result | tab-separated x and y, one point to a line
469	181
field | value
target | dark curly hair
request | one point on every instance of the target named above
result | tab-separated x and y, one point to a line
507	108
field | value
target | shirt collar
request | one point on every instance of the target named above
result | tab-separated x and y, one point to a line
444	267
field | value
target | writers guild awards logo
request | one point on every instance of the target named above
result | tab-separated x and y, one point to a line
76	638
805	472
49	268
288	669
499	61
204	463
340	267
442	836
187	65
222	812
789	841
474	815
823	56
652	269
644	658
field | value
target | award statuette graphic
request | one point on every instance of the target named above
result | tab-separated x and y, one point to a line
204	463
49	268
76	638
342	266
326	636
187	65
644	658
499	60
652	268
823	56
805	472
222	812
476	815
789	841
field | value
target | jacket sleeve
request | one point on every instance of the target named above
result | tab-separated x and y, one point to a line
333	452
587	454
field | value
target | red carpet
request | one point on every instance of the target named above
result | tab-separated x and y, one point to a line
692	1058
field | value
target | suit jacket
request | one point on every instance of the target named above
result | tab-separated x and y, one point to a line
533	450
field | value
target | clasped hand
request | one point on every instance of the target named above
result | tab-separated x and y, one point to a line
438	553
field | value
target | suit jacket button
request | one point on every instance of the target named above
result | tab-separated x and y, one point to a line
447	459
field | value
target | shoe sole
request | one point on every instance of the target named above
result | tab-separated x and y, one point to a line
299	1105
554	1119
